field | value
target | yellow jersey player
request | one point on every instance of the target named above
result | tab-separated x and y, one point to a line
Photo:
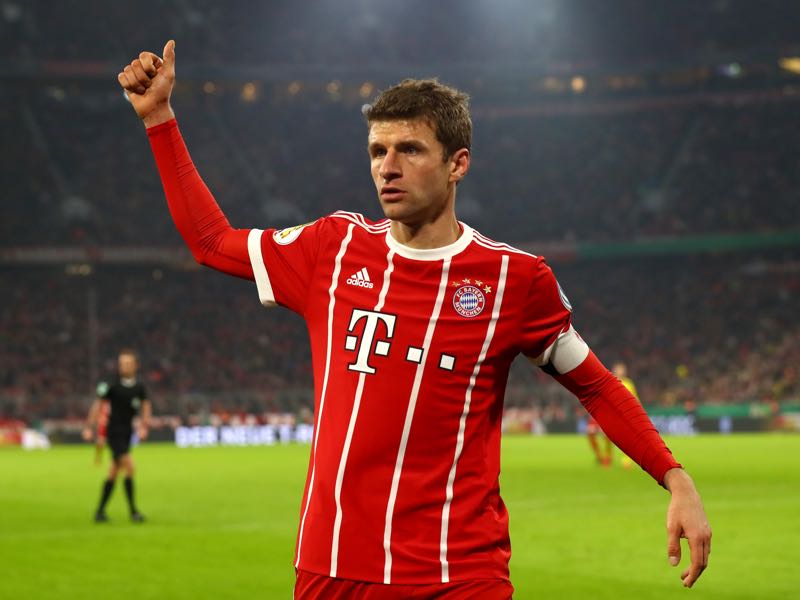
620	371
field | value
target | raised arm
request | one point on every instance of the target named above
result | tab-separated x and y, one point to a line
148	82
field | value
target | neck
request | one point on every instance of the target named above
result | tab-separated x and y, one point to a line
427	235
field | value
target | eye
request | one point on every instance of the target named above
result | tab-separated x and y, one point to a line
409	148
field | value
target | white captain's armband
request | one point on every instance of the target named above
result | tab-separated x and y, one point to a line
565	353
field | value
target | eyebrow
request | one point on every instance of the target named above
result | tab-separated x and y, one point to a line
415	142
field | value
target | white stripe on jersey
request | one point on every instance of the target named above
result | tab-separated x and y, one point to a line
501	286
337	524
565	353
331	303
337	493
412	403
265	293
386	274
482	240
359	220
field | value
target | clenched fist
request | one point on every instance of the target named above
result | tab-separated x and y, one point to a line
148	82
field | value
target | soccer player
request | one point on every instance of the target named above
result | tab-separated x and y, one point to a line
414	321
595	433
124	397
620	371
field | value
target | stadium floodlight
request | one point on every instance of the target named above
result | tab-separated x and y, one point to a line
732	70
249	92
790	63
578	84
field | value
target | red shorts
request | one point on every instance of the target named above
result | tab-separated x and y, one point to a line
310	586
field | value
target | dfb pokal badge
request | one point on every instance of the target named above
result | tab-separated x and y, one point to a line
469	301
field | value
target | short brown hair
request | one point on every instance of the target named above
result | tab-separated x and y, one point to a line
445	108
128	351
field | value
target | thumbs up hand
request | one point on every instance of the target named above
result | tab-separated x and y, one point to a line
148	83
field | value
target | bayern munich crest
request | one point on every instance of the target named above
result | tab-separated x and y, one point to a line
469	300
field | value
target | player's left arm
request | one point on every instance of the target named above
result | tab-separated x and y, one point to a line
566	356
618	412
144	419
627	425
686	518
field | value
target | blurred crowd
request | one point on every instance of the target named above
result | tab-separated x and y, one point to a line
83	174
206	343
701	330
290	146
694	330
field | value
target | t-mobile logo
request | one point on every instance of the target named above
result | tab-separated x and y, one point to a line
363	346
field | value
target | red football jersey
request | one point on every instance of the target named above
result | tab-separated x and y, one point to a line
411	351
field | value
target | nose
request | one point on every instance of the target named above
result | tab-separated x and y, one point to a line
390	168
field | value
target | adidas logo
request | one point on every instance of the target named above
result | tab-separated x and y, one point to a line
361	279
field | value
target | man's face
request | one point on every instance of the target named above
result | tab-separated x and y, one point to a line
411	176
127	365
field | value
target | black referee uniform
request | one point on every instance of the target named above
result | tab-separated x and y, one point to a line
125	396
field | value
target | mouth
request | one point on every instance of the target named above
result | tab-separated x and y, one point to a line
391	194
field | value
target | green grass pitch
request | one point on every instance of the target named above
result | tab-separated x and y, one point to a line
222	522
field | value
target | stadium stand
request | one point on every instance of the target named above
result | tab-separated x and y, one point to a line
716	155
706	330
571	177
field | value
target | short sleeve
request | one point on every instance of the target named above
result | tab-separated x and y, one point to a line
547	314
283	263
102	390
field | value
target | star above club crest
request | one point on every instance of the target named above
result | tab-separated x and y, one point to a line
465	280
479	283
455	284
488	289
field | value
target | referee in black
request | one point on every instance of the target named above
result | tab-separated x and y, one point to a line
127	398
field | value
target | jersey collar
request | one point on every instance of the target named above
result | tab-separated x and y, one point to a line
448	251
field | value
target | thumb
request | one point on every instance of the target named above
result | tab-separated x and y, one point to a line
674	547
169	53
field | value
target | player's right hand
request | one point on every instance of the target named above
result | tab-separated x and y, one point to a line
148	83
87	434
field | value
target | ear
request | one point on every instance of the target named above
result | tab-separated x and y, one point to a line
459	164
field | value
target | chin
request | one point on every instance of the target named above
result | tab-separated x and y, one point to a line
395	211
